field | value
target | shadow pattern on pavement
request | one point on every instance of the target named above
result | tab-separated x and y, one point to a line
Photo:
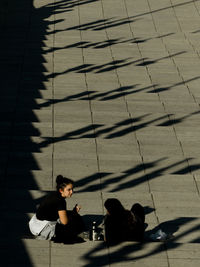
23	77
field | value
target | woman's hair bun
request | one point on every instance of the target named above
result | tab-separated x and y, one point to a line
62	181
59	179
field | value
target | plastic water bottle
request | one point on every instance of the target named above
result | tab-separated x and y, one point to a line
94	235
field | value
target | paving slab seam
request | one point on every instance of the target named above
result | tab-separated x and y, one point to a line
53	98
189	44
90	107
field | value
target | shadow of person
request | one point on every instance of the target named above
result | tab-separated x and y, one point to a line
148	210
169	227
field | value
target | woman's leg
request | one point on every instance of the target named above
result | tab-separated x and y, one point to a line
76	223
138	210
68	233
63	234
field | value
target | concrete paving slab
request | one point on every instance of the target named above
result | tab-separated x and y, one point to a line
187	133
29	144
69	166
114	164
144	56
194	165
166	79
137	96
115	106
109	117
186	251
114	149
190	149
125	78
171	199
36	254
90	254
30	179
88	147
73	130
69	106
148	107
33	161
144	140
62	116
160	150
34	116
91	203
136	253
173	183
62	79
155	130
127	182
146	263
176	212
188	234
33	129
155	165
143	119
184	262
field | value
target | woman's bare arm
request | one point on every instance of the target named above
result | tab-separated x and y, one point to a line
63	216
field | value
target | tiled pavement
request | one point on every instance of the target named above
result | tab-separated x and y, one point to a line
106	92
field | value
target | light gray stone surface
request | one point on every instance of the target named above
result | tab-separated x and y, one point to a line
105	92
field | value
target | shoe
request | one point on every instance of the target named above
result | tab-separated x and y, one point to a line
85	235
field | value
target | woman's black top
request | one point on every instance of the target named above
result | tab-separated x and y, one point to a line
48	209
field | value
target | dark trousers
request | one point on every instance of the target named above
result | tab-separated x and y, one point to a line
68	233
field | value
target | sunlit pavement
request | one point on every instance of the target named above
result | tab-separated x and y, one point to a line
105	92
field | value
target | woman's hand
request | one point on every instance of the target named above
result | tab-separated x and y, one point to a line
77	208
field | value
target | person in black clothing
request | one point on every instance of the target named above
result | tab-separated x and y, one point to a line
53	221
121	224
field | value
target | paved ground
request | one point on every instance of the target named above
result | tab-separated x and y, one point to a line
106	92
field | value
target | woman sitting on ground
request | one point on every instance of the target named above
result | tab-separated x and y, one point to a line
121	224
53	221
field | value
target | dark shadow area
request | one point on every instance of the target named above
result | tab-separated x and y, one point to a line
115	131
111	22
94	95
63	5
163	89
14	30
103	24
148	210
110	66
106	43
170	227
131	251
113	94
87	68
90	218
23	30
149	62
119	183
197	31
173	121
